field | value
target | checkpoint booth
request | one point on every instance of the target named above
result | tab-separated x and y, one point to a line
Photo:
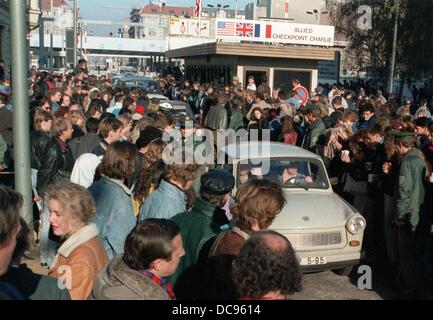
280	51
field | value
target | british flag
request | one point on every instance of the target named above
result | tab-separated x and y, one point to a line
245	30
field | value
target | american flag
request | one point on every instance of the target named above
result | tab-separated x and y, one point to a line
197	9
225	28
245	30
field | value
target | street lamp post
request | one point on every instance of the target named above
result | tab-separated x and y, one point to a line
75	31
394	50
219	6
21	121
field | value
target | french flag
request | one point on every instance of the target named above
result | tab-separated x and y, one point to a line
257	31
268	31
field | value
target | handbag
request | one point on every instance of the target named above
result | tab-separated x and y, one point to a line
351	186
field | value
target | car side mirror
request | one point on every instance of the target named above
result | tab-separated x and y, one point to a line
334	181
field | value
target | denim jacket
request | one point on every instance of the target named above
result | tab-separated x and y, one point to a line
114	214
167	201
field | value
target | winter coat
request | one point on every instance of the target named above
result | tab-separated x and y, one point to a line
117	281
362	124
262	105
101	148
227	243
34	286
197	227
255	129
84	144
84	169
217	118
411	192
79	260
56	166
316	134
39	141
167	201
114	213
236	121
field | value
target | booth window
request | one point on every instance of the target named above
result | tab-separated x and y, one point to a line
283	78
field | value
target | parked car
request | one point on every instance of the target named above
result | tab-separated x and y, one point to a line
178	109
324	229
158	96
148	84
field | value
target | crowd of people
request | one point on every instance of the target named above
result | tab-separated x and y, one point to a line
116	221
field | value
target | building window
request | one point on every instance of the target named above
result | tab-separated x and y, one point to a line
152	32
284	78
153	10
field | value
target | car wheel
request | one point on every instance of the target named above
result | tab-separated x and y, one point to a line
345	271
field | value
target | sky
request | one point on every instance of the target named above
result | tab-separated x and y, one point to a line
119	9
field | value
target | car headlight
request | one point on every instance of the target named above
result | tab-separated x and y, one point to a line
356	225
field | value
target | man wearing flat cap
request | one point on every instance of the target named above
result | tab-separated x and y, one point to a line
409	218
316	132
206	219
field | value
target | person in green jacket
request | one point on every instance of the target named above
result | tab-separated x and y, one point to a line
316	132
410	198
190	142
236	119
206	219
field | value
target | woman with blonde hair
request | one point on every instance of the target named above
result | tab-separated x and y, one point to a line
78	121
81	256
55	167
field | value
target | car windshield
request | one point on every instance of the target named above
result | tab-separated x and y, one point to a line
290	172
178	111
149	85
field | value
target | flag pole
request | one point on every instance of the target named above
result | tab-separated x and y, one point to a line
199	17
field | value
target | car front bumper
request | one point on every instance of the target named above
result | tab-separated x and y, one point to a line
329	266
335	259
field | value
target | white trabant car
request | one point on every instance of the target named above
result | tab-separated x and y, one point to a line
324	229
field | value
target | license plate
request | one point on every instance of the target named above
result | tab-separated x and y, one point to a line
312	261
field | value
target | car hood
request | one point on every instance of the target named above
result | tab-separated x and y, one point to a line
312	210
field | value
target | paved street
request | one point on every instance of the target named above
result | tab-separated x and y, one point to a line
329	286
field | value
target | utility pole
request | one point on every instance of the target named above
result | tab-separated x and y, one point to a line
75	31
41	35
394	50
23	183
